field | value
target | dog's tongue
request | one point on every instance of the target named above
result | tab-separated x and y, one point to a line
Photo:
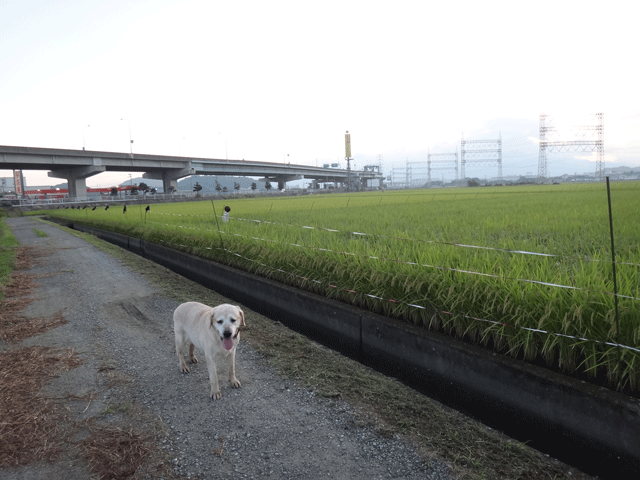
228	343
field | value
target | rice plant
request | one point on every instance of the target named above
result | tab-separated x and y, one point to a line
523	270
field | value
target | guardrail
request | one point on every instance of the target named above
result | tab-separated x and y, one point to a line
22	202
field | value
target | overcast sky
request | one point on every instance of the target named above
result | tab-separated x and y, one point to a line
283	80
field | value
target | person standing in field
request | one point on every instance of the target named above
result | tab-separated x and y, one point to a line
225	215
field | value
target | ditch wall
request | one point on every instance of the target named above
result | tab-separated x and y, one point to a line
593	428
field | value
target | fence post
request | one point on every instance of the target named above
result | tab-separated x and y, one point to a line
615	279
217	224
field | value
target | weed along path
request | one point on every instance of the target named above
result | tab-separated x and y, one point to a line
86	343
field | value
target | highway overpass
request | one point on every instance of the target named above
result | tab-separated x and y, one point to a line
77	165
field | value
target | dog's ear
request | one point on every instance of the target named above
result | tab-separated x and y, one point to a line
242	322
212	317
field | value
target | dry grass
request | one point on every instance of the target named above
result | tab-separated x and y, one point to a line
115	453
27	257
15	327
35	428
29	424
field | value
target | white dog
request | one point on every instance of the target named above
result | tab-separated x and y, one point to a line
213	331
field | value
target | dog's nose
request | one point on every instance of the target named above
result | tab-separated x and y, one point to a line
227	334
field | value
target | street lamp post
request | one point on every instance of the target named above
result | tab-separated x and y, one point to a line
347	146
130	141
83	142
226	153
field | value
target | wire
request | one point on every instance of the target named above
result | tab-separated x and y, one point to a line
412	305
432	242
469	272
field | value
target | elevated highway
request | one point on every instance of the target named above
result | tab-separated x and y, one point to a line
77	165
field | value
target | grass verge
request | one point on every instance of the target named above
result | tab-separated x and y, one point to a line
8	243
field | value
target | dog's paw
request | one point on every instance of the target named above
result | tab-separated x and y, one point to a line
185	369
193	359
216	395
235	383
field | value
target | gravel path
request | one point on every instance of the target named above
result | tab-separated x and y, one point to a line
122	327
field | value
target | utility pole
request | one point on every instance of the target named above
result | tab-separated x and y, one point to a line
347	148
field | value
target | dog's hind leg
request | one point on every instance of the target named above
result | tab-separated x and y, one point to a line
180	344
192	355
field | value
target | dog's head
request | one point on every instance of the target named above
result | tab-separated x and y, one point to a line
226	320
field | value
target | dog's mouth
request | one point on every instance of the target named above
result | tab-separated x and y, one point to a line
227	342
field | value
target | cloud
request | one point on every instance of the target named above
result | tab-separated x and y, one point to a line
593	157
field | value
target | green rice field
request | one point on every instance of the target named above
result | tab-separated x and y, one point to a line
524	270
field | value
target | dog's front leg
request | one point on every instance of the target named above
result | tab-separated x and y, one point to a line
231	361
213	376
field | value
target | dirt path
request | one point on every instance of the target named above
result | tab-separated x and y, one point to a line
129	384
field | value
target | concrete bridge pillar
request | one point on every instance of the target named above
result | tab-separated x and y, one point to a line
281	179
169	177
77	179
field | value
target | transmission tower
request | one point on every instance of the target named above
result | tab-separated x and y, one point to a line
409	174
587	137
481	151
443	161
399	177
417	174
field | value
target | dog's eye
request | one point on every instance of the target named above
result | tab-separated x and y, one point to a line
219	322
233	320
